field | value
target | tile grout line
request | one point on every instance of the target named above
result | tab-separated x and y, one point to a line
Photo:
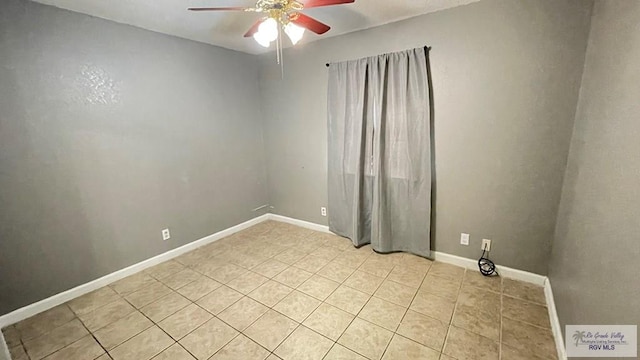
424	277
500	316
213	315
528	323
453	313
524	300
406	309
358	313
60	349
271	308
120	297
287	337
145	329
371	297
23	342
446	338
159	327
23	345
221	347
321	302
96	340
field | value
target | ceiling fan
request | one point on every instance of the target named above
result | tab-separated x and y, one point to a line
282	15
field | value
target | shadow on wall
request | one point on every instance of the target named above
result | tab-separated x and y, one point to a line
432	135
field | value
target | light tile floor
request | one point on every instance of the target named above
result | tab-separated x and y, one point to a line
276	291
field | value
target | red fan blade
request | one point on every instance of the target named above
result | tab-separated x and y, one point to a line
220	9
309	23
254	28
318	3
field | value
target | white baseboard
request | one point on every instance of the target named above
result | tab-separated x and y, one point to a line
301	223
504	271
556	329
55	300
4	350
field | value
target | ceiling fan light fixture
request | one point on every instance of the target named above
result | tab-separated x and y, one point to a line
261	39
294	32
268	30
281	15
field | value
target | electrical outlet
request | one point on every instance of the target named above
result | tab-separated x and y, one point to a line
464	239
323	211
486	245
165	234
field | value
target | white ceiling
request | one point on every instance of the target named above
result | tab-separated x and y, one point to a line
226	28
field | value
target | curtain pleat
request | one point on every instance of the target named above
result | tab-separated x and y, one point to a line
379	151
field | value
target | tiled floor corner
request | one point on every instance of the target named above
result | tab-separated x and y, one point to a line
277	291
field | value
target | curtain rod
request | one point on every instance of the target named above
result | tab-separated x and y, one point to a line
425	47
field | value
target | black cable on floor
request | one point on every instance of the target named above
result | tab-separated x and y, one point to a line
487	267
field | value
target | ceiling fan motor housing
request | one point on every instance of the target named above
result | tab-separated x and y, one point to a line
284	12
280	5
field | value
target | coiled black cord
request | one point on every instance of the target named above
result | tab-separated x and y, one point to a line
487	267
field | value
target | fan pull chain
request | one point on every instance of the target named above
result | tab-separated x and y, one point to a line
281	58
278	46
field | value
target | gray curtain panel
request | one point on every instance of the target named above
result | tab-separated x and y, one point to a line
380	151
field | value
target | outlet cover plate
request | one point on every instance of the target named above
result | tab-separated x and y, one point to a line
464	239
487	243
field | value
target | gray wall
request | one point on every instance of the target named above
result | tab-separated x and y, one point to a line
506	78
109	134
595	259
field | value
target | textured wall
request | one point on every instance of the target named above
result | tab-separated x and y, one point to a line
109	134
506	77
595	259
